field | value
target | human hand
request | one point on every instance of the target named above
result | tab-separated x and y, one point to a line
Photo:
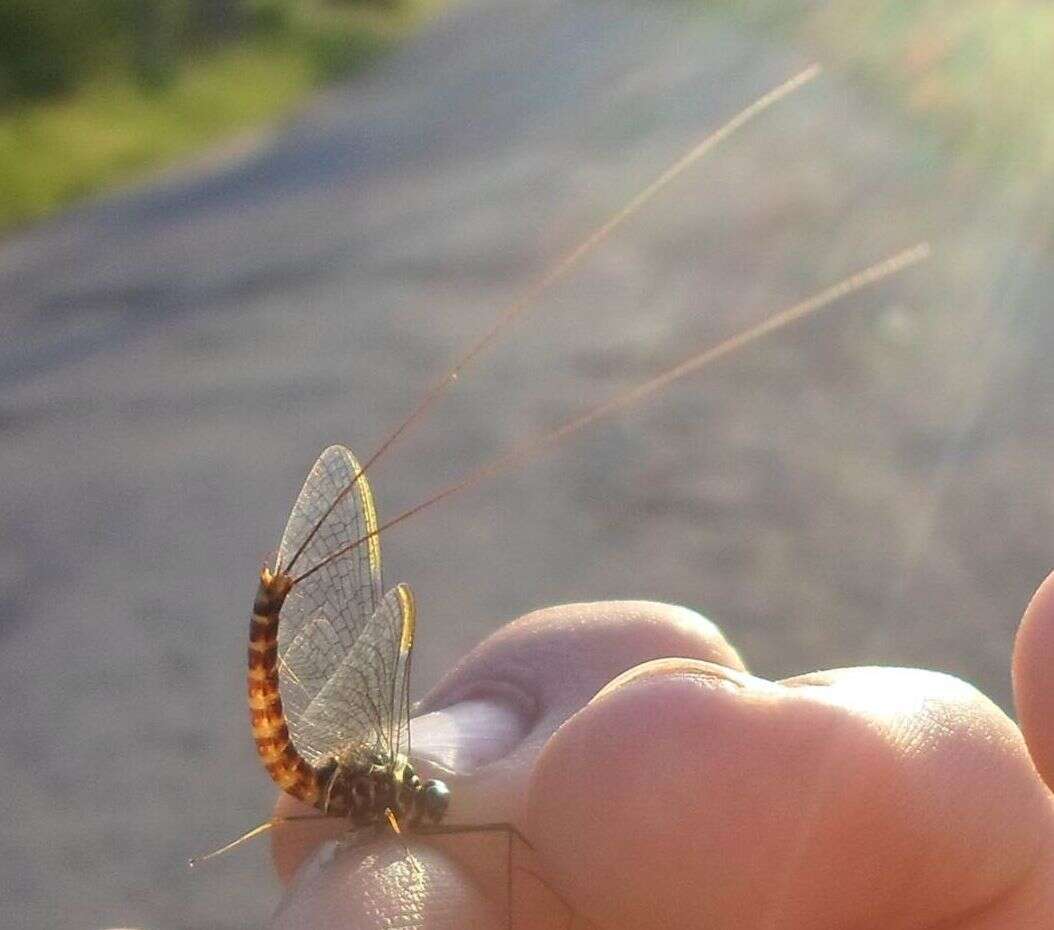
687	793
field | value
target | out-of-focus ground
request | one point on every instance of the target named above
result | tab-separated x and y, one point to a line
868	488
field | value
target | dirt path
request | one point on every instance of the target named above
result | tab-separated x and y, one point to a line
870	488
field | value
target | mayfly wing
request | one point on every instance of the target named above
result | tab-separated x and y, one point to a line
365	702
326	613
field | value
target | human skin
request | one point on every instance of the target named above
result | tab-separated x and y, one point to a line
660	785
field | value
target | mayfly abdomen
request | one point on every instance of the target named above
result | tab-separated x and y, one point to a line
270	731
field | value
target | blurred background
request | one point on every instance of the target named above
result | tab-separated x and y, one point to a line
239	231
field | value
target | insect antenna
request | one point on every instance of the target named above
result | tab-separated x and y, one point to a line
531	448
560	270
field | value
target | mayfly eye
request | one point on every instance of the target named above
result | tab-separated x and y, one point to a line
436	797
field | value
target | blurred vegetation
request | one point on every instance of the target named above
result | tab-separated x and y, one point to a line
979	71
95	91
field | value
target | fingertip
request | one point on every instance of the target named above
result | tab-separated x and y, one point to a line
382	885
458	867
1033	681
630	803
296	841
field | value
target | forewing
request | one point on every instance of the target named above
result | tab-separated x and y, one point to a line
365	701
326	613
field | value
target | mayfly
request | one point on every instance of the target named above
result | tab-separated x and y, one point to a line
330	649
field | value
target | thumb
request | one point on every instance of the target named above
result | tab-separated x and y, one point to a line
1034	678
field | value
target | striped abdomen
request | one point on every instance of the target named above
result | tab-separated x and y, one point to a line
284	764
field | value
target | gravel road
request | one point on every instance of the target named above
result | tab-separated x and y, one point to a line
867	488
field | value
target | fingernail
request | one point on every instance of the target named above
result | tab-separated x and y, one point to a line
465	736
708	672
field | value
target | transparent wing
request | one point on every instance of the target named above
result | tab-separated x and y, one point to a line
325	614
365	703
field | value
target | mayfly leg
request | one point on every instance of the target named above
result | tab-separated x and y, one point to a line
512	833
267	825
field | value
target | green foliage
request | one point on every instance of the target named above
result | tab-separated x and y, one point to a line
54	152
140	82
48	46
156	36
341	37
270	17
51	47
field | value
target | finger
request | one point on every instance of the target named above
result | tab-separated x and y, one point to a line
1034	678
491	861
687	794
296	841
383	885
499	707
561	656
542	669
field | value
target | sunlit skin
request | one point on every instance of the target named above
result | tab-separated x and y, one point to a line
687	793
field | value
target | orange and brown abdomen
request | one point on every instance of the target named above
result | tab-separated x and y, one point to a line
284	764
